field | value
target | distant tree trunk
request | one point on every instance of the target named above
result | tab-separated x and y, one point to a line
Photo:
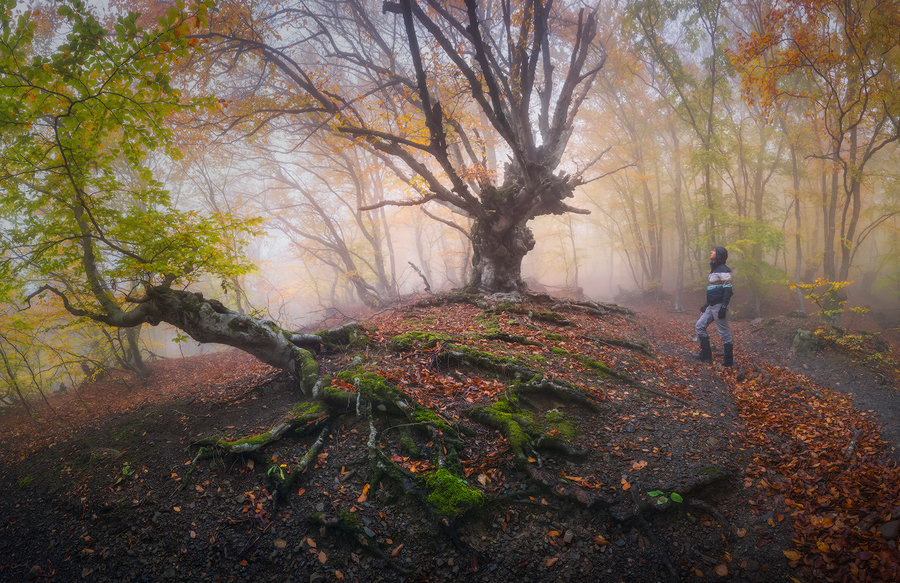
134	351
798	269
679	220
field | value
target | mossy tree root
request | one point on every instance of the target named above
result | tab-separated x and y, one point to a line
481	360
559	389
637	345
303	418
520	431
283	489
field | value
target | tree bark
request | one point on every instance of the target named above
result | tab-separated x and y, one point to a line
497	256
207	320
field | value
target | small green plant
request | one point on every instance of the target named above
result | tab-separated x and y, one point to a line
127	472
662	498
277	470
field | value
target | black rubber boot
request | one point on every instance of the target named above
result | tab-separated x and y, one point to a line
705	351
729	355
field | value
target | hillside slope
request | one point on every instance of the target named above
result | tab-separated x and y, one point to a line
623	459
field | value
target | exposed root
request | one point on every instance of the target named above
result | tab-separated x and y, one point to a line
303	418
700	504
348	523
310	456
630	344
559	389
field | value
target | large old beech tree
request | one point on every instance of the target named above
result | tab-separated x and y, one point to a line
439	90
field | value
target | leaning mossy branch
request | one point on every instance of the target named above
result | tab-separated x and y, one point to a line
630	344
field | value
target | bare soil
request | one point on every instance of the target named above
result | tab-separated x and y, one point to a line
109	493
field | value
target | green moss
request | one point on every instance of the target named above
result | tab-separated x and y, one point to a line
306	409
408	340
554	337
370	383
559	351
260	439
483	358
349	520
595	365
559	421
429	417
348	336
451	496
307	369
25	482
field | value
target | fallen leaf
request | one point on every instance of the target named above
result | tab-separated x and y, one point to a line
482	479
280	543
364	495
552	561
698	572
301	491
722	570
339	576
311	542
250	464
792	555
625	484
741	532
193	534
397	550
322	557
176	508
553	533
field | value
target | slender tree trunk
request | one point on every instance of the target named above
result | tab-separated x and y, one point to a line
679	221
798	240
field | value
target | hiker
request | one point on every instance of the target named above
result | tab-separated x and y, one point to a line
718	293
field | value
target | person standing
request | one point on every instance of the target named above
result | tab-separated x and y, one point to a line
718	294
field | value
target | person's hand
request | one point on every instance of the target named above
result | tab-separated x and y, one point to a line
722	312
703	309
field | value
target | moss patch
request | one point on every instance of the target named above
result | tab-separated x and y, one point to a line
559	421
451	496
409	340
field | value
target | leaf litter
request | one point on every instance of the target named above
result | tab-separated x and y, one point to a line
807	482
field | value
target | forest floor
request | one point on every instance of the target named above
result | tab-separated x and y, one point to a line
783	468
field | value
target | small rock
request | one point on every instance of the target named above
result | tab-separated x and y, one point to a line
567	538
752	566
890	530
320	507
169	573
620	543
316	578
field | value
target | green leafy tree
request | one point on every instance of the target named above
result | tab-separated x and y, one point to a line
85	219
